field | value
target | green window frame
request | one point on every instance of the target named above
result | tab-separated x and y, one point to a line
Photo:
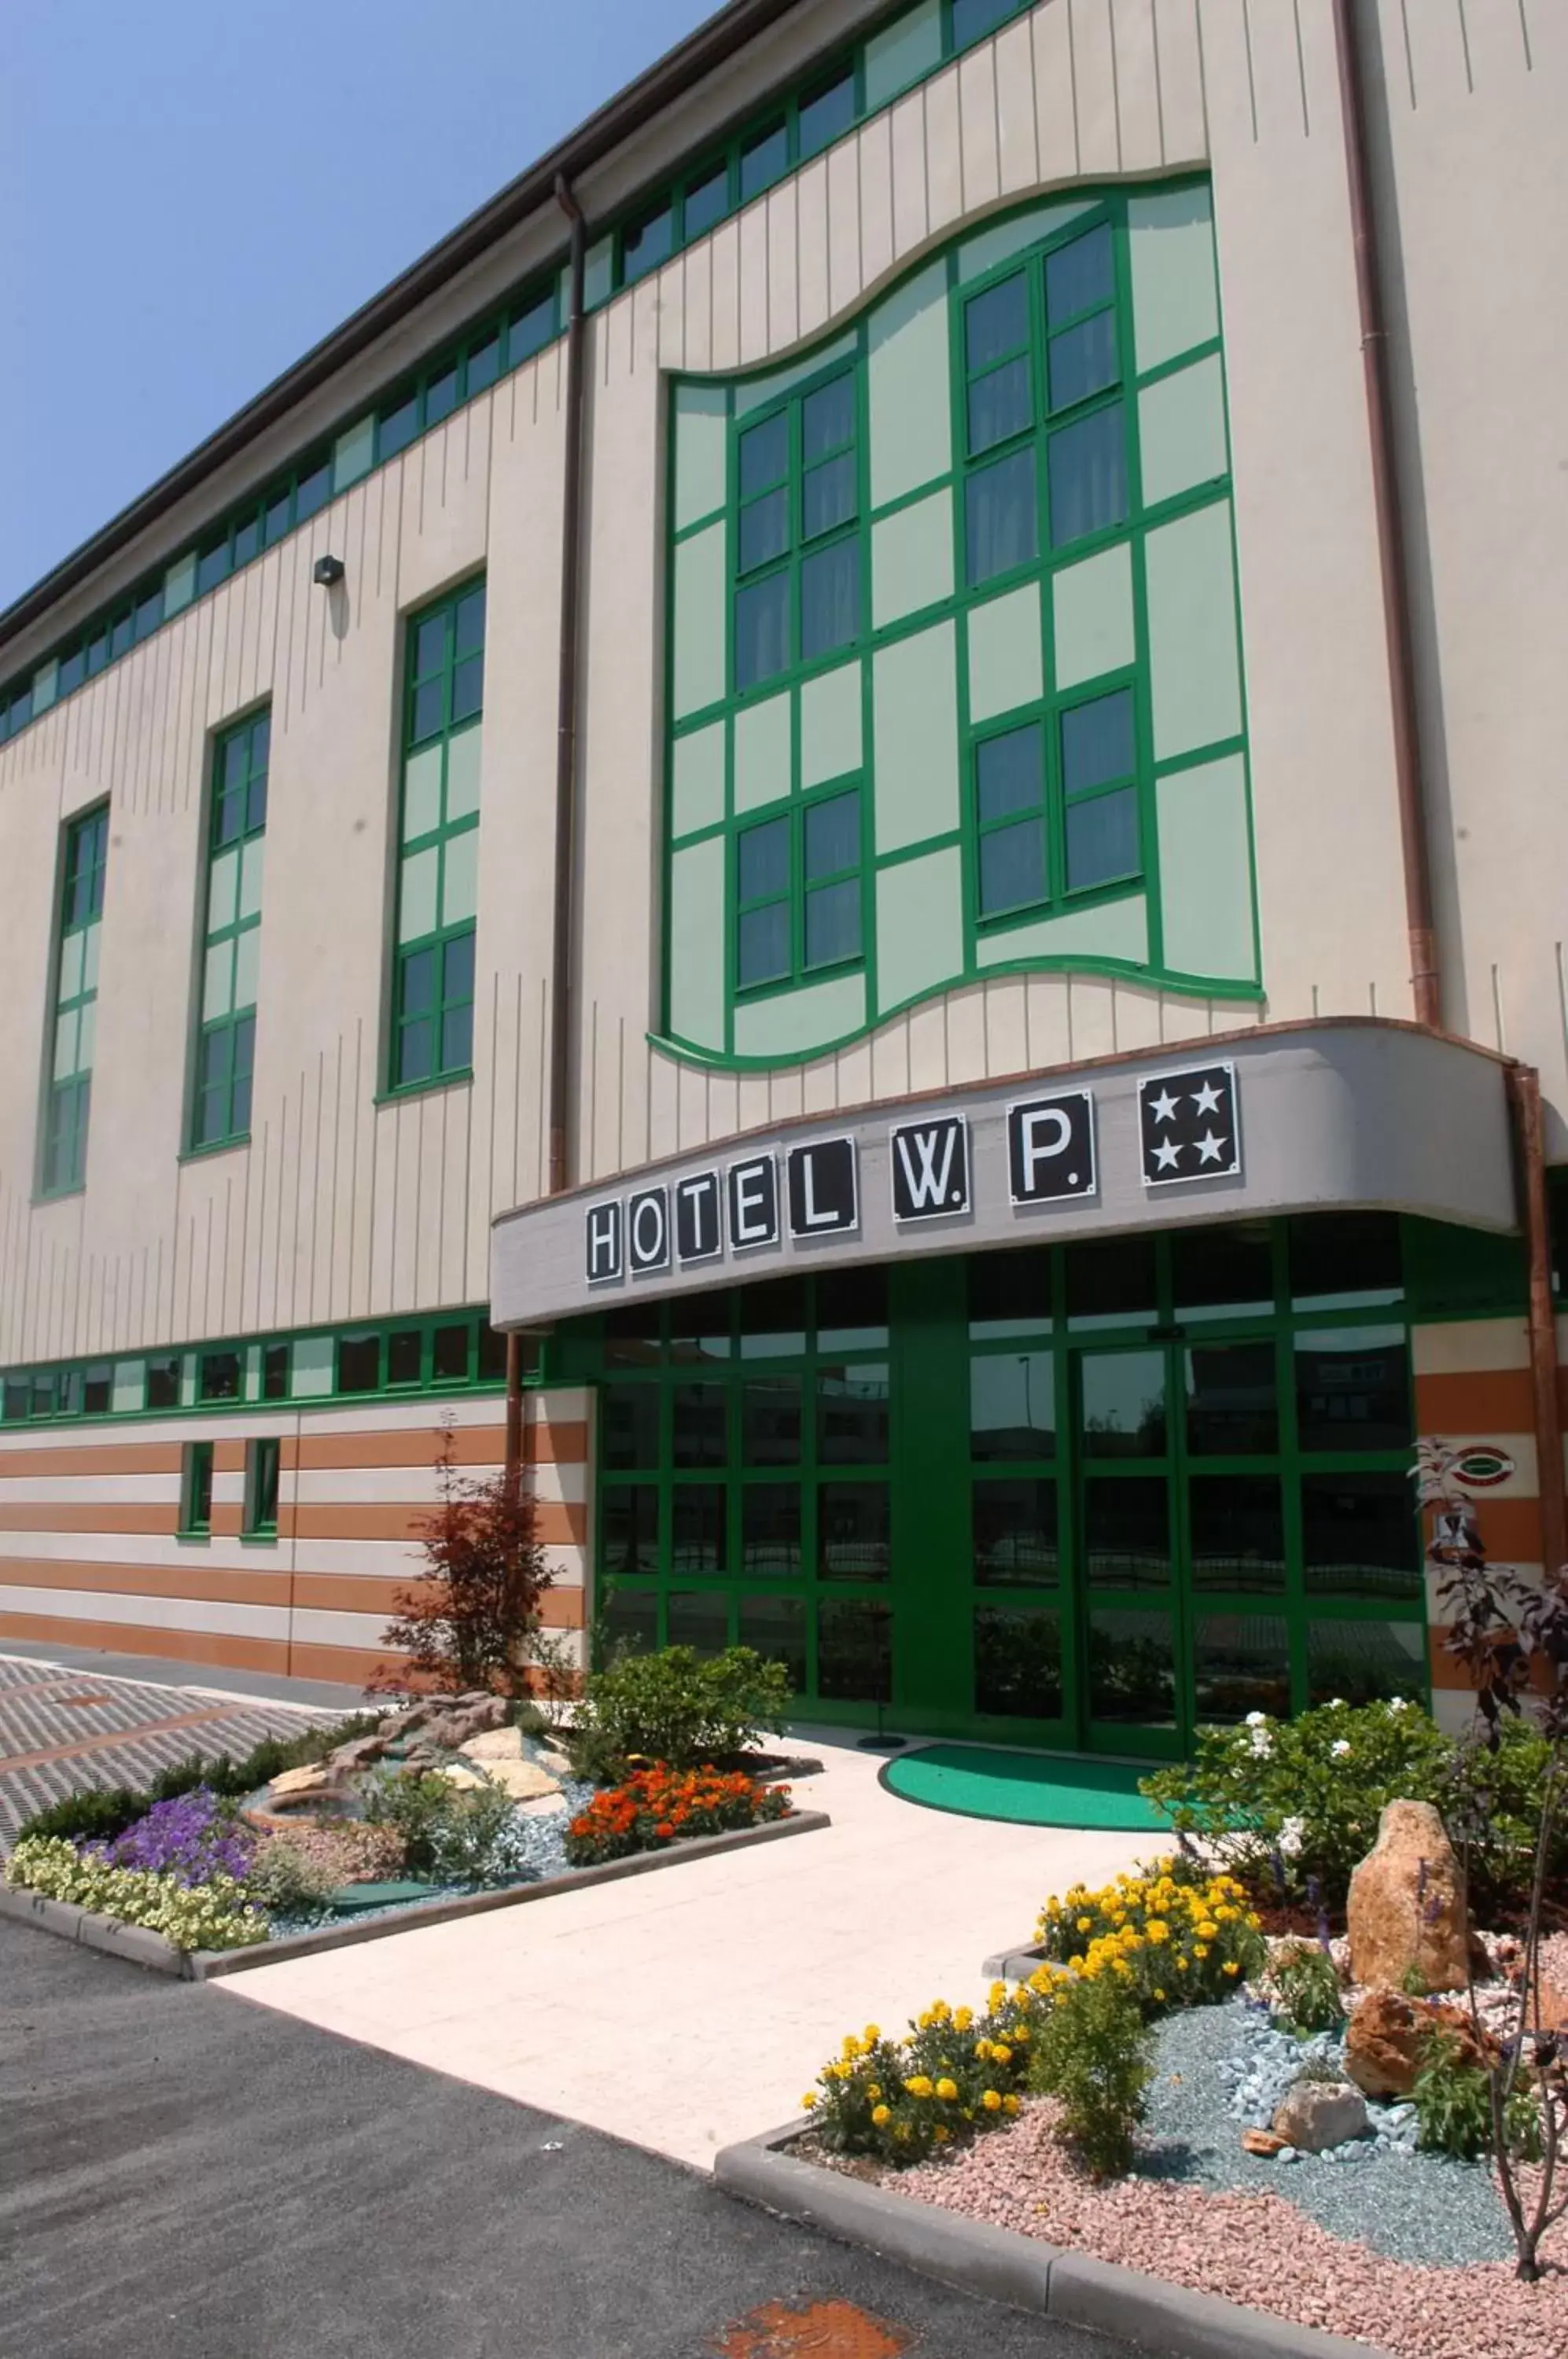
224	1047
67	1102
196	1491
799	593
438	828
263	1462
800	889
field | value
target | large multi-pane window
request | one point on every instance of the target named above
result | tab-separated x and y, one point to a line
438	869
225	1037
797	890
798	591
70	1089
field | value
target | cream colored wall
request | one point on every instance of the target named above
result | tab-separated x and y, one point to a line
340	1209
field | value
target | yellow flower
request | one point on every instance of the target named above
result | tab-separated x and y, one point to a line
1157	1930
1254	1919
1122	1969
871	2034
919	2086
992	2101
998	1995
809	2101
1200	1950
1019	2034
947	2089
941	2137
1159	1995
963	2017
982	2049
875	2091
1002	2055
1009	2104
1086	1924
1208	1932
881	2116
1230	1967
1181	1965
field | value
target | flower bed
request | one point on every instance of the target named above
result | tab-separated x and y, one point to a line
659	1806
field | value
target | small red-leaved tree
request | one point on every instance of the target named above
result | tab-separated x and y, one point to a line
474	1620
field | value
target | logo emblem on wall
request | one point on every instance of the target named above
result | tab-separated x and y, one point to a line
1187	1123
1480	1466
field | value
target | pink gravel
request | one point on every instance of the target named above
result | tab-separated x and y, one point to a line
1257	2249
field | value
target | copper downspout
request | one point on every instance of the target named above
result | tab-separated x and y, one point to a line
558	1083
1425	975
1524	1102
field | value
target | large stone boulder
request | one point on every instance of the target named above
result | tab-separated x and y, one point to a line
1316	2114
1407	1911
1386	2038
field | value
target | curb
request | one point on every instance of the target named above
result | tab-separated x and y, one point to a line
1014	1965
999	2265
135	1943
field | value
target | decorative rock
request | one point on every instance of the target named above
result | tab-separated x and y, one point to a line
1407	1908
1317	2115
1262	2143
466	1780
358	1753
314	1778
1387	2035
493	1744
524	1780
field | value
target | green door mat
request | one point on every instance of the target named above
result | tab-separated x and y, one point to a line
1036	1790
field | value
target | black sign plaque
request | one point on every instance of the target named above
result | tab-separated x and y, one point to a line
699	1219
753	1191
822	1188
929	1163
1188	1125
1051	1148
647	1232
603	1234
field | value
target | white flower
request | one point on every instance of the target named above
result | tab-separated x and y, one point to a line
1336	1703
1290	1837
1258	1720
1397	1703
1340	1747
1262	1744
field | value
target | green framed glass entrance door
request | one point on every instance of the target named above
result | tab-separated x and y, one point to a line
1131	1636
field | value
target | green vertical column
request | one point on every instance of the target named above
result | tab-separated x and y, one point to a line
931	1584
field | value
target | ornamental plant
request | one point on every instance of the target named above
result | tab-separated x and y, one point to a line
954	2074
1167	1939
1092	2057
659	1805
216	1915
191	1839
676	1706
474	1621
453	1834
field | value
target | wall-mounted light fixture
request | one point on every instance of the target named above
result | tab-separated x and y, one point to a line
328	571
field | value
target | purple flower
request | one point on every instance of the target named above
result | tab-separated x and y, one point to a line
189	1838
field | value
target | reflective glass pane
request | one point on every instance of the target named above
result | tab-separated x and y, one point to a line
1012	1404
1237	1524
827	496
770	1420
833	837
707	201
770	1529
826	114
1124	1403
457	1038
772	1318
630	1541
399	427
248	540
699	1527
449	1349
1232	1409
853	1532
1002	524
829	599
1097	742
648	243
1102	840
702	1427
212	567
278	516
1126	1532
469	630
403	1357
1364	1662
416	1048
1338	1259
1087	466
1018	1663
999	405
995	324
313	491
1009	772
531	329
764	529
631	1334
762	944
827	419
1010	1293
852	1415
852	1310
1352	1389
457	967
763	162
275	1372
219	1376
699	1618
1012	868
628	1425
417	980
765	454
1132	1668
631	1621
832	923
761	630
467	689
775	1628
1111	1283
1241	1664
1015	1533
762	856
854	1651
359	1364
430	709
1360	1537
1223	1273
1079	274
1082	360
484	364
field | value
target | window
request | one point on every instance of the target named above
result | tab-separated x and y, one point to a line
647	242
75	1004
226	1034
163	1380
196	1490
219	1376
275	1372
438	879
797	547
262	1464
798	891
826	112
359	1363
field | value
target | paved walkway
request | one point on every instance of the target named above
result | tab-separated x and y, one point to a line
64	1726
690	2007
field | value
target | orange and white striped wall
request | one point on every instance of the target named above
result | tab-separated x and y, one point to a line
90	1553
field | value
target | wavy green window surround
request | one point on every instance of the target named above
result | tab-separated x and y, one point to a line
63	1164
954	654
225	1036
438	867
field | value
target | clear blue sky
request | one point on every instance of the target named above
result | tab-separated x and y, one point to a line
196	191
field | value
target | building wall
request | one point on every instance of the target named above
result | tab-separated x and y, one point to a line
90	1552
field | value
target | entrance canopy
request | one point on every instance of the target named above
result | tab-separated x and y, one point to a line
1294	1118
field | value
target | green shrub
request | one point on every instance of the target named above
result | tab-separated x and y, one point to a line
96	1815
216	1915
1491	1798
286	1882
956	2073
1296	1802
1307	1983
678	1707
264	1762
453	1835
1454	2106
1092	2055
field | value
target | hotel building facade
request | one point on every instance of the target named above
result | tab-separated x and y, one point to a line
843	829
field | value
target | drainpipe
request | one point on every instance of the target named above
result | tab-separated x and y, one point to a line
559	1082
1524	1103
1425	972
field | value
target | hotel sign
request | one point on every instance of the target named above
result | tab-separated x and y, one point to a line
812	1192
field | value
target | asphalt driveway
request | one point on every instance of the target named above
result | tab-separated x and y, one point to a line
184	2179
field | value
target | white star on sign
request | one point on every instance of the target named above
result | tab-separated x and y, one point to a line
1163	1107
1165	1155
1207	1099
1209	1147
